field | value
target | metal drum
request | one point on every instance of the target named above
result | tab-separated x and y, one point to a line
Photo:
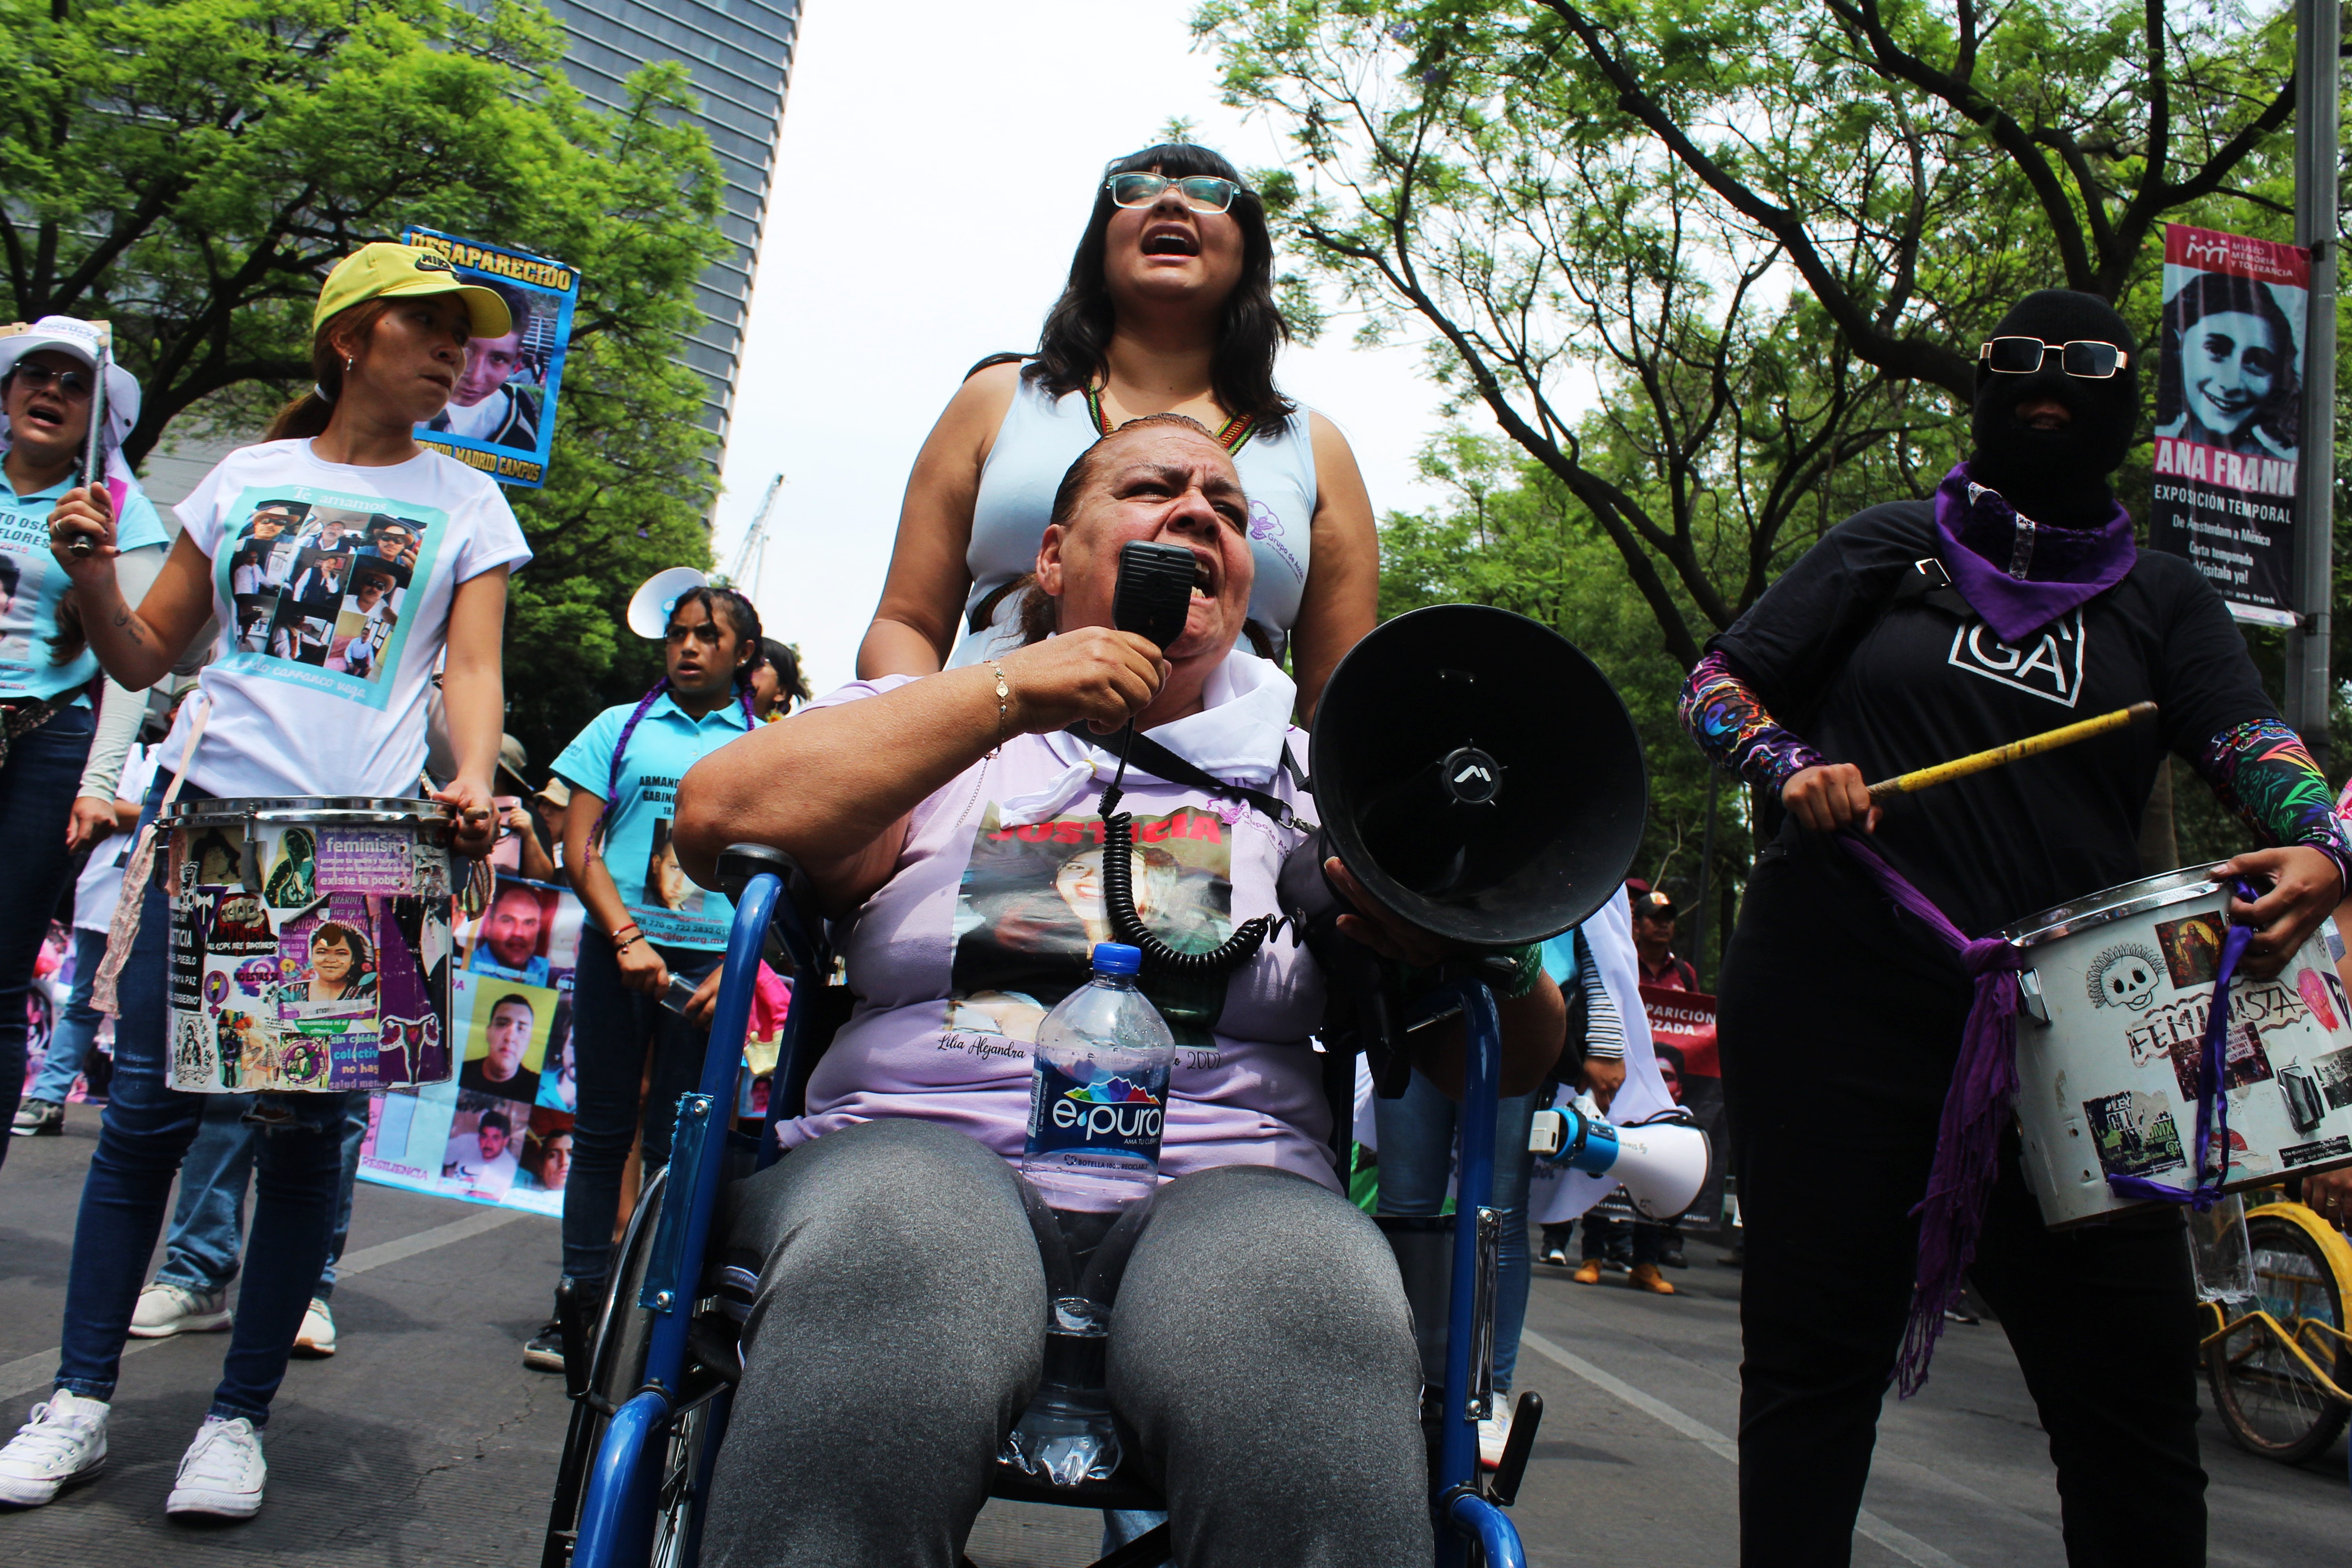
309	946
2116	996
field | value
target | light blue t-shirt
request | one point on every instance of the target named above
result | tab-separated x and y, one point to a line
669	909
31	584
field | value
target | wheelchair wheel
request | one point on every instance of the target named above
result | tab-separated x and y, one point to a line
2265	1395
618	1371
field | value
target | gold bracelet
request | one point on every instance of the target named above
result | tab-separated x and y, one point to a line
1003	705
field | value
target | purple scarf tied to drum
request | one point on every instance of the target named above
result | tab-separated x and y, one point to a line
1976	1108
2018	574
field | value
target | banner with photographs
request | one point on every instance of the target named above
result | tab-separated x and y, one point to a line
501	419
501	1133
2228	397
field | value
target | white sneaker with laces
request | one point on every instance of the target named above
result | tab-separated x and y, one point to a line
1495	1431
222	1472
63	1445
165	1310
317	1340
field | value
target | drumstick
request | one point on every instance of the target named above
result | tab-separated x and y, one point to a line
2032	745
93	466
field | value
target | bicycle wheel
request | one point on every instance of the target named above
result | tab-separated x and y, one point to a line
2265	1395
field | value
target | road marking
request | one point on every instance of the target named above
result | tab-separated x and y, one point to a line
31	1373
1868	1525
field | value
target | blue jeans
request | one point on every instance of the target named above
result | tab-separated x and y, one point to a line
1417	1134
76	1027
610	1027
36	796
146	1133
208	1221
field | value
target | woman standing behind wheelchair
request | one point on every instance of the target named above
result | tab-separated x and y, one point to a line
1169	307
388	341
622	770
1261	1352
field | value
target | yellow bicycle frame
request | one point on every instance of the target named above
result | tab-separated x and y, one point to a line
2338	1253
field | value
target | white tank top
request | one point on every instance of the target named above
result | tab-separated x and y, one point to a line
1041	435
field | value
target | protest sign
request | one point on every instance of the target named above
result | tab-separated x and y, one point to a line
1682	1033
2228	401
502	419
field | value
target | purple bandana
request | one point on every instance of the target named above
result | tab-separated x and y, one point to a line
2020	575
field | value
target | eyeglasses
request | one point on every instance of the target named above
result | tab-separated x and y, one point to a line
2086	358
1202	193
73	385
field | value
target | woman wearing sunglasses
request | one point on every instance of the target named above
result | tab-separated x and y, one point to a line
1836	1013
1170	309
48	712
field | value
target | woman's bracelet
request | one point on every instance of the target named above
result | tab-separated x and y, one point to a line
1004	704
623	944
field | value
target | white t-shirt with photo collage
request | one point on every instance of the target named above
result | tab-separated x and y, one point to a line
333	585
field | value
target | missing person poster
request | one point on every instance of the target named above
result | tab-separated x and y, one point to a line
502	419
2228	393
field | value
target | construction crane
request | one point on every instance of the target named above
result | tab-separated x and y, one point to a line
751	556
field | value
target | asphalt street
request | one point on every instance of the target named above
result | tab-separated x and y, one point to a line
426	1442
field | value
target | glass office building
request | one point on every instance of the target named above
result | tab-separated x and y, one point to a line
740	52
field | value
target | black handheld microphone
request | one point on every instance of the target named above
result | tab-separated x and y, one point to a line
1155	590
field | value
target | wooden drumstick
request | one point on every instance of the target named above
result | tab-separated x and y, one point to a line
2032	745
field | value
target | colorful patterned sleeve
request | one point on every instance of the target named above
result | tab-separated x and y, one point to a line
2263	773
1729	721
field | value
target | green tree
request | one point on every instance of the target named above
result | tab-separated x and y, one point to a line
189	169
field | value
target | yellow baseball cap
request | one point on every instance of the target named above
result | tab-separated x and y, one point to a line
374	271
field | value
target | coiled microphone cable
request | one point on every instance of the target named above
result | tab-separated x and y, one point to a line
1118	894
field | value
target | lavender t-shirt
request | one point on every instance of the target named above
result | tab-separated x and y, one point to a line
985	925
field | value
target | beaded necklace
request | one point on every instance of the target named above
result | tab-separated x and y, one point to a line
1231	435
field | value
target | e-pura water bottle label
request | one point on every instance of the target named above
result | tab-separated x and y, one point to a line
1111	1114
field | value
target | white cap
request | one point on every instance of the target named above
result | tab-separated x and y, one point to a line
82	340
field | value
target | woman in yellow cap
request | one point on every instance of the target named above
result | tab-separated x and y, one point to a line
388	344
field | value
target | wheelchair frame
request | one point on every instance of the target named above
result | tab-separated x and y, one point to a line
629	1490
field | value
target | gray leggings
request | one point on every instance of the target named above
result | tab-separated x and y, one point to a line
1261	1353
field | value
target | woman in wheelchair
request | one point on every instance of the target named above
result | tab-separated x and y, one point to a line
1261	1357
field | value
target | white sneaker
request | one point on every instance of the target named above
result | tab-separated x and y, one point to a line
63	1445
165	1310
317	1340
1495	1431
222	1472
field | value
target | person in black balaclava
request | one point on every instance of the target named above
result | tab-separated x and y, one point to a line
2012	602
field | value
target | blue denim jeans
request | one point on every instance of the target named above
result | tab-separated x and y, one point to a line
611	1025
1416	1150
76	1024
36	796
146	1133
208	1221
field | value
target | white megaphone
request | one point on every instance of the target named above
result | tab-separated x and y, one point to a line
1661	1165
650	607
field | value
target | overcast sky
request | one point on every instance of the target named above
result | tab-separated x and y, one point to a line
869	304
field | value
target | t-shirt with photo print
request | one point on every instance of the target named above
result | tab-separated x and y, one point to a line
293	712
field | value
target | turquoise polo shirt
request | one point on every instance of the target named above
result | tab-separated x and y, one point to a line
31	584
670	910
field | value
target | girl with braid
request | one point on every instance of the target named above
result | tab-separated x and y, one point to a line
646	922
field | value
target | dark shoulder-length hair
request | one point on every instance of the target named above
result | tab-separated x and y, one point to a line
2224	293
1249	334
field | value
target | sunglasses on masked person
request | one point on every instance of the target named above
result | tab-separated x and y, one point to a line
2085	358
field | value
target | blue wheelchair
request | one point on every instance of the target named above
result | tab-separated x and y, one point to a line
652	1379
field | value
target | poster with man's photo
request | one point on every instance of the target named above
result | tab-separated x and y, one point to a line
502	419
2228	393
319	582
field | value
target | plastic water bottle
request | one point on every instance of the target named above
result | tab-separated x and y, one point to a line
1098	1106
1099	1091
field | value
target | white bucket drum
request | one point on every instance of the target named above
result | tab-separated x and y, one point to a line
310	944
2115	997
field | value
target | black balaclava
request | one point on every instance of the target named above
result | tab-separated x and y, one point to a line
2057	476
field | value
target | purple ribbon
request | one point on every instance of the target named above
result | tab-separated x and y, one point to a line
2212	1101
2021	575
1967	1138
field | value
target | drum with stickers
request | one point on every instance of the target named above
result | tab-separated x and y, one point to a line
2116	996
311	946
